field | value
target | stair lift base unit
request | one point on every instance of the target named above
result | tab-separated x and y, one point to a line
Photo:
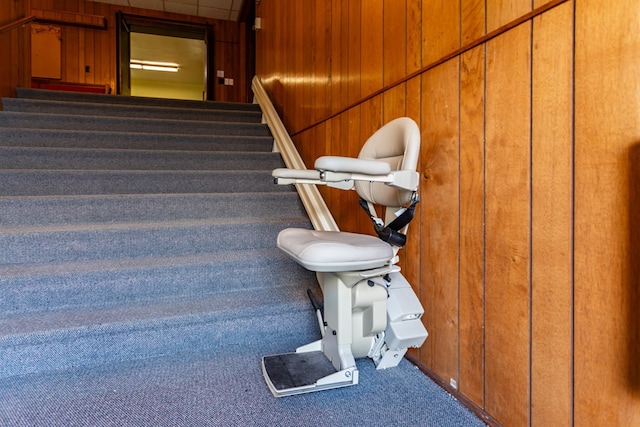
370	310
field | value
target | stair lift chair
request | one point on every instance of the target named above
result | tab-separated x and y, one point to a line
369	308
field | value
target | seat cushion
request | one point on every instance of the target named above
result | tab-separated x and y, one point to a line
328	251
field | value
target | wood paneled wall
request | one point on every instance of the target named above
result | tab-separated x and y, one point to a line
96	48
524	248
14	52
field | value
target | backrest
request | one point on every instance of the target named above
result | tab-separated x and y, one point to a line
397	143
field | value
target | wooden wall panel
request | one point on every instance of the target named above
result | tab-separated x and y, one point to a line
414	36
394	37
322	52
507	250
89	53
15	55
472	17
46	51
607	288
311	42
299	24
441	31
471	376
352	145
371	56
412	266
551	218
439	219
501	12
394	103
354	37
472	209
371	80
336	55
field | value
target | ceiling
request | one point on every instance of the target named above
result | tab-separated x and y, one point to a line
228	10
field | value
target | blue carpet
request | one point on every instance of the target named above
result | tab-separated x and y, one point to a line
224	390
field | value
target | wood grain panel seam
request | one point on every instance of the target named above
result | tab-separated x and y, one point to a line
531	184
573	213
484	222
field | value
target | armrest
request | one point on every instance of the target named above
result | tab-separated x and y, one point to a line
286	173
405	179
334	169
284	176
352	165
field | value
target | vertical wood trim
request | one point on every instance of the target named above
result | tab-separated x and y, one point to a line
552	216
507	213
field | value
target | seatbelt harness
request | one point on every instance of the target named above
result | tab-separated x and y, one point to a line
391	233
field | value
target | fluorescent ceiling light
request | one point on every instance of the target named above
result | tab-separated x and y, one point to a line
171	67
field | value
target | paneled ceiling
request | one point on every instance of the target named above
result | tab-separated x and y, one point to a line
228	10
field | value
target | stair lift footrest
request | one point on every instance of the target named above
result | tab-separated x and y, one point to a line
296	373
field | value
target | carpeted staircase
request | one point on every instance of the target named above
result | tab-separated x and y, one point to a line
139	279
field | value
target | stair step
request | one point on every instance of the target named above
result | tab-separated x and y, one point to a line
84	242
128	110
110	159
36	343
31	93
95	209
23	182
21	137
139	228
116	282
129	124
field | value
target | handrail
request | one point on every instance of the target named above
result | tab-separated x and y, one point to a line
312	200
17	23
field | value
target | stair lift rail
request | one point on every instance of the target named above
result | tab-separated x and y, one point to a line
369	308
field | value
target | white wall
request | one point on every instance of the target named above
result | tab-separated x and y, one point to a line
155	89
